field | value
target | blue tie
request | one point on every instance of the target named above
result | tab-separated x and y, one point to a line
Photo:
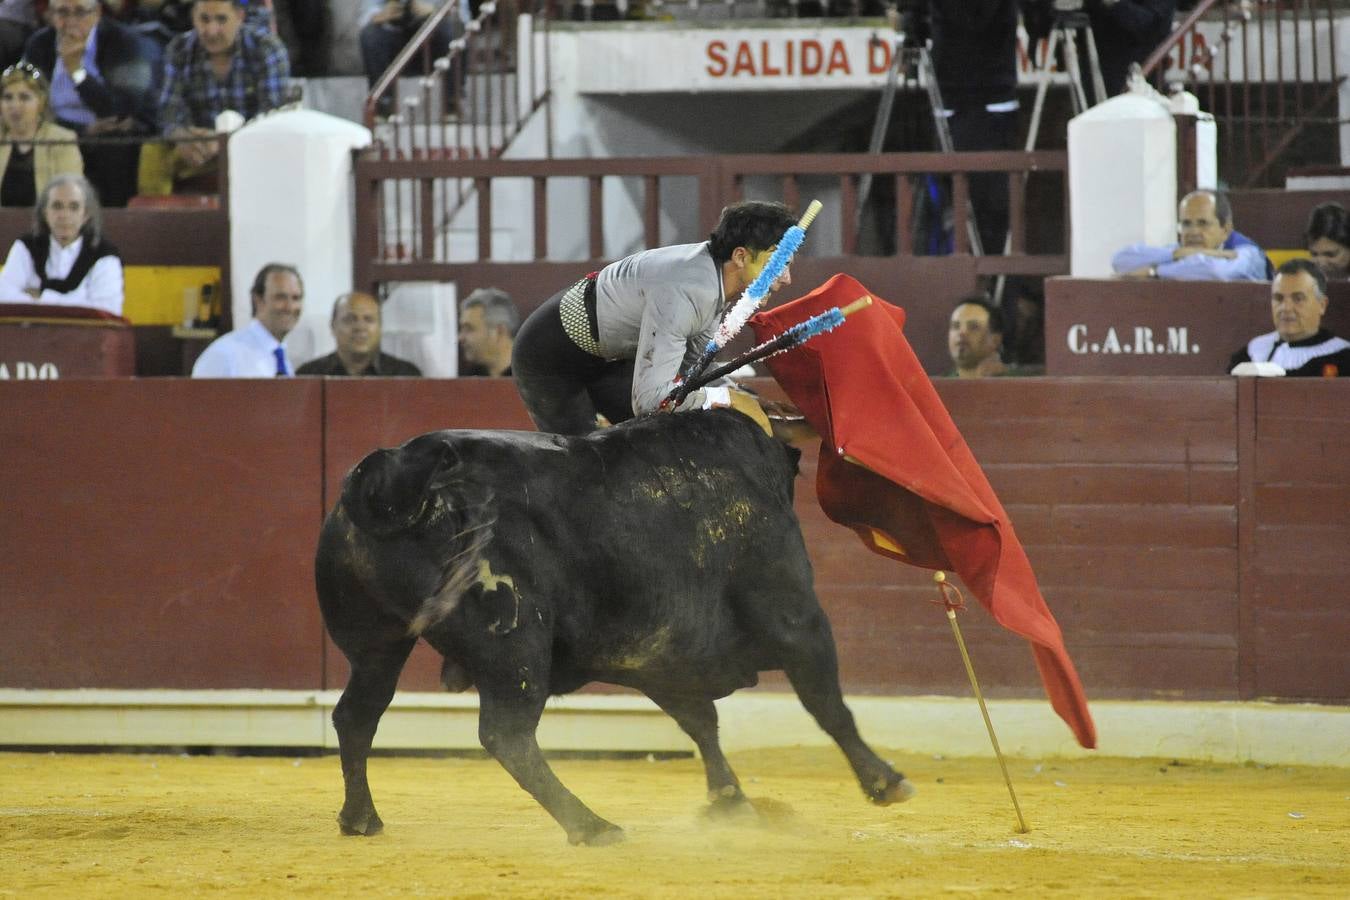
280	354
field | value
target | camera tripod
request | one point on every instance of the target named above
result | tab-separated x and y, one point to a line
1069	28
913	63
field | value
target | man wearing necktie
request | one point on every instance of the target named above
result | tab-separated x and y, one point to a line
257	349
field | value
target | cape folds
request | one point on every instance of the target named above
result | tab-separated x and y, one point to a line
894	468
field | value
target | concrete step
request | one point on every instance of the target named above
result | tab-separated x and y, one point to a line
345	96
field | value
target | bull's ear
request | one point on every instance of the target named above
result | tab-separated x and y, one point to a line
442	473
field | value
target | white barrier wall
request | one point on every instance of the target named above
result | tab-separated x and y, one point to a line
291	201
1122	180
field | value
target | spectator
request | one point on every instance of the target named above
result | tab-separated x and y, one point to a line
613	342
975	339
163	20
1210	250
356	328
1299	344
24	118
103	85
256	350
216	66
65	260
17	21
387	26
305	27
975	61
1125	32
488	322
1328	239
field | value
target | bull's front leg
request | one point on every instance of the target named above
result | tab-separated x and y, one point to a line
507	718
813	668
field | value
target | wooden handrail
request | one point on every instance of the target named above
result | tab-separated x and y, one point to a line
1160	52
413	47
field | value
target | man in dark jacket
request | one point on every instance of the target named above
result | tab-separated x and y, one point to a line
975	59
103	87
1124	32
1299	344
356	328
1127	32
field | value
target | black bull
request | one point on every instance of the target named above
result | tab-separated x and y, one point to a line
662	554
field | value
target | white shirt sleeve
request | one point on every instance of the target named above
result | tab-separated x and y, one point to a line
215	361
18	275
103	285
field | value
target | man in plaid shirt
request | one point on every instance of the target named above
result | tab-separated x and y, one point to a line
222	63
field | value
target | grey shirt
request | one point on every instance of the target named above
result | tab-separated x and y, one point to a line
660	308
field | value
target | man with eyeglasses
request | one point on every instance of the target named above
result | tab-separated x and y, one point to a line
218	65
1209	248
102	77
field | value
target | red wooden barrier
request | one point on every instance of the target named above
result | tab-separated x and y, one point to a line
1188	533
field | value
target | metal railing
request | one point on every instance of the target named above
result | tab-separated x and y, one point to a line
494	85
404	207
1267	71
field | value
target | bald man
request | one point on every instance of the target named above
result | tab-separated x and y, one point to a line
1207	249
356	328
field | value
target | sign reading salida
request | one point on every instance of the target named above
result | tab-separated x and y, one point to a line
805	57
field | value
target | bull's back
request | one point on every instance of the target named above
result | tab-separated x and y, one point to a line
642	543
649	541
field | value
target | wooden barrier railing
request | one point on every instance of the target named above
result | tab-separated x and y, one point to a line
1189	534
404	207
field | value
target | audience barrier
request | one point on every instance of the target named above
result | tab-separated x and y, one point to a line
1188	533
45	342
1130	327
194	234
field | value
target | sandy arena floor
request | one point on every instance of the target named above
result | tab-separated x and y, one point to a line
159	825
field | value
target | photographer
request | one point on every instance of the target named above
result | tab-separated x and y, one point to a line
974	48
1125	32
388	25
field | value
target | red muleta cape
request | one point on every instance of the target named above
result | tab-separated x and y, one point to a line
915	493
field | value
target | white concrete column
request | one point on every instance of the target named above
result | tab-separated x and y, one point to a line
292	201
1122	180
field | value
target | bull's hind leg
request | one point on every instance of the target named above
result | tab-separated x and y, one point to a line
813	668
697	716
507	720
374	677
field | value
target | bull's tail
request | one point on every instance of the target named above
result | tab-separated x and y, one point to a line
419	492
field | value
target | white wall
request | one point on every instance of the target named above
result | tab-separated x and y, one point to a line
291	201
1122	180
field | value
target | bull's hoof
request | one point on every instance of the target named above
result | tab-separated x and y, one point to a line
888	791
367	825
601	835
727	802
